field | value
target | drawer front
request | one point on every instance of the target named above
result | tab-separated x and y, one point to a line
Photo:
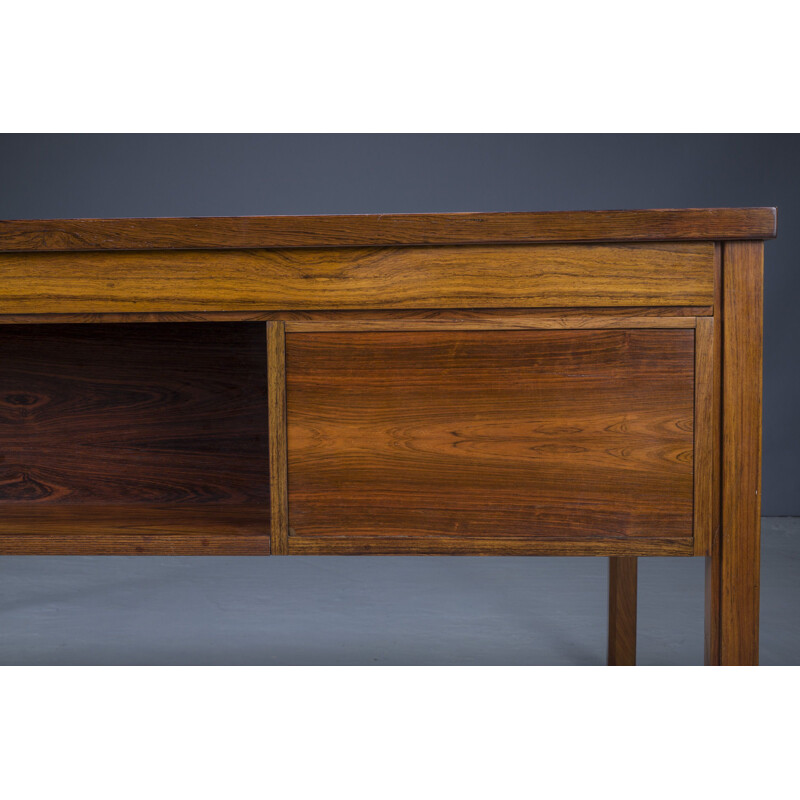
497	276
447	441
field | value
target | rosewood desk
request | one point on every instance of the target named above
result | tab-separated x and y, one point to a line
576	383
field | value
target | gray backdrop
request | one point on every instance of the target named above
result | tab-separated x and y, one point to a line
214	175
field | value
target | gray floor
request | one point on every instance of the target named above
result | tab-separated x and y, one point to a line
83	610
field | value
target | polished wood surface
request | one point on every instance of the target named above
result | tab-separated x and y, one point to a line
622	589
134	529
703	435
456	545
278	479
502	317
733	574
516	323
567	383
713	561
387	229
676	273
554	435
713	570
133	416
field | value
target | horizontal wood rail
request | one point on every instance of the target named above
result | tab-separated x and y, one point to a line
212	233
499	276
559	317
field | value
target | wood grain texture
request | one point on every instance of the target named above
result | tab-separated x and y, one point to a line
276	359
703	435
677	273
179	530
428	545
717	393
739	550
518	323
558	435
622	591
713	558
386	229
134	417
571	317
713	582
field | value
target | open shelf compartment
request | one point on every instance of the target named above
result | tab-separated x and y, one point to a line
143	438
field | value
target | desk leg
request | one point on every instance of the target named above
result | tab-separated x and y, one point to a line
622	611
732	577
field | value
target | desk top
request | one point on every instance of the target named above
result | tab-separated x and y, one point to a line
380	230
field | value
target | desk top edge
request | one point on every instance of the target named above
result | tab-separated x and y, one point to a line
381	230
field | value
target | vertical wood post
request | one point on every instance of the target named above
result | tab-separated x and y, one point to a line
622	585
732	575
278	467
705	421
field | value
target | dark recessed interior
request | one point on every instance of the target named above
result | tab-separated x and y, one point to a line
159	426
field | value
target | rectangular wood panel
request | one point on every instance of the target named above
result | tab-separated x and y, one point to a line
510	276
558	436
123	433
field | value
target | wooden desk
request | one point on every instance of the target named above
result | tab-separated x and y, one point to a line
576	383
